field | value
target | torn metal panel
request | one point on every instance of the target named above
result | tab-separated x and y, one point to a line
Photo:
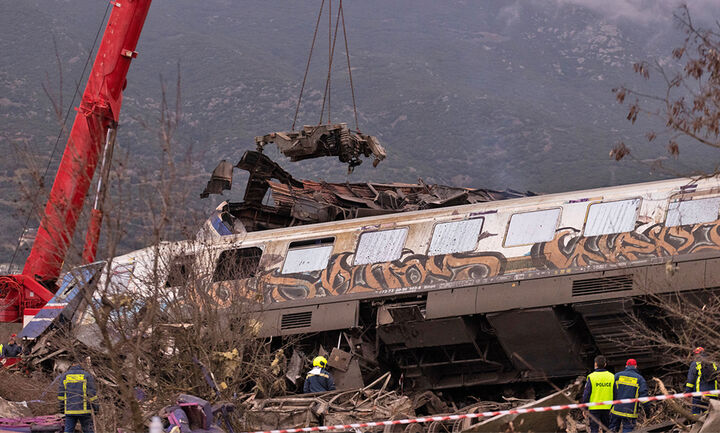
712	422
325	140
220	180
339	359
297	202
352	378
294	366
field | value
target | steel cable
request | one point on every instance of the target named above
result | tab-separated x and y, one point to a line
326	94
307	67
347	55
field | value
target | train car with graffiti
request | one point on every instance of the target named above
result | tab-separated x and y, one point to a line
486	293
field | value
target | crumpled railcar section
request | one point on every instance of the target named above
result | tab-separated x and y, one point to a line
314	141
274	199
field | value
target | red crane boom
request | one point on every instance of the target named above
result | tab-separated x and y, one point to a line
98	112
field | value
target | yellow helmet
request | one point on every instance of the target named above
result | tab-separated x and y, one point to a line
320	361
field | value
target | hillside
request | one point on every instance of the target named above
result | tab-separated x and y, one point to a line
492	94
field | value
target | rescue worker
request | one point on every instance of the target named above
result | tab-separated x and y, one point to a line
701	377
599	387
318	379
628	384
77	396
12	349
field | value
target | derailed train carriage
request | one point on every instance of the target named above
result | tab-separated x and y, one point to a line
455	289
500	291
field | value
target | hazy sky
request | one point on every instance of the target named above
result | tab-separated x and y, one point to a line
648	11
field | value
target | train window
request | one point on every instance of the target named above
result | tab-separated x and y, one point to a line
308	255
237	264
180	270
682	213
532	227
383	246
455	236
611	217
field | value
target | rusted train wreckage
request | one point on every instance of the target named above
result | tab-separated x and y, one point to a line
451	287
468	287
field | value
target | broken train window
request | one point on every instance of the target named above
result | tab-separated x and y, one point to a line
180	270
237	264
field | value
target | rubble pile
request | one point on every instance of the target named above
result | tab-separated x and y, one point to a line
335	407
377	401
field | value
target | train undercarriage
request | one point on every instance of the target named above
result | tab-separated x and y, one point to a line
428	349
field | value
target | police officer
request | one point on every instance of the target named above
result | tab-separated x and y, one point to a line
318	379
701	377
628	384
77	395
599	387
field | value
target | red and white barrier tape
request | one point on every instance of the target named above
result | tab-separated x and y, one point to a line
341	427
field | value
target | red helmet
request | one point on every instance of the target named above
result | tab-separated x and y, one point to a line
698	350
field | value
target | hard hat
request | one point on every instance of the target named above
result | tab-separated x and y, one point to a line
698	350
631	363
320	361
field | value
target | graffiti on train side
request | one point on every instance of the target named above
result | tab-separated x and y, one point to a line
566	251
411	270
569	250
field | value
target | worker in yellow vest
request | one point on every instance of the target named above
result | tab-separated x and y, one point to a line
599	387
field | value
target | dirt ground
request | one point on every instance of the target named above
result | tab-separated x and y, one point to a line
35	389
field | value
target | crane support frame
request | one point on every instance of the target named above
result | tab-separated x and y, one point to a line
99	110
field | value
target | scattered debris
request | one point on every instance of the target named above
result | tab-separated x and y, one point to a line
46	423
367	404
662	427
712	420
13	409
430	402
334	407
539	421
193	414
673	405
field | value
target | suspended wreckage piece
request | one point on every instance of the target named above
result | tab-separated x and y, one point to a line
325	140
